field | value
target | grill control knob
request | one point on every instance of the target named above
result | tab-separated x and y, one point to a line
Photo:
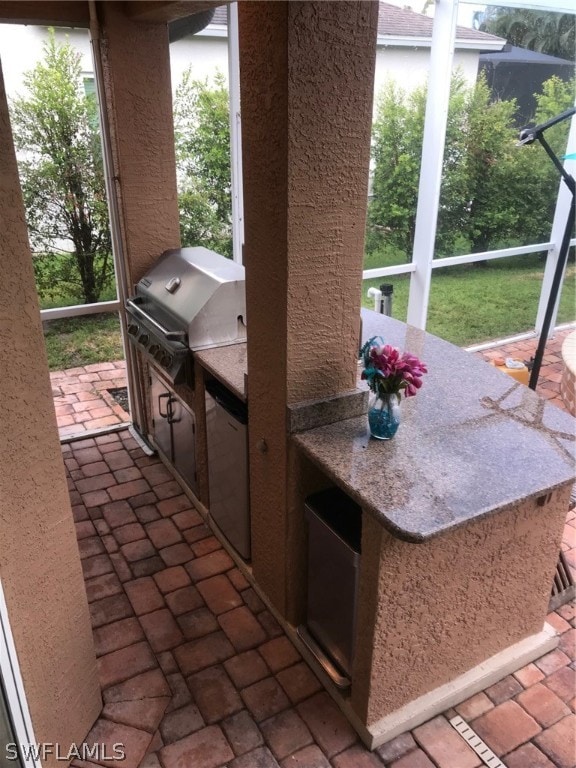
166	361
143	339
153	349
133	329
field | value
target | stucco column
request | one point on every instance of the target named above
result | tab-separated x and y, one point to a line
138	95
39	561
307	73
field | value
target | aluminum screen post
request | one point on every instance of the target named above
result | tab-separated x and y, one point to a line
437	101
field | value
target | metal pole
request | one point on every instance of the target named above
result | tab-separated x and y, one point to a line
235	134
528	136
563	205
556	282
136	397
387	290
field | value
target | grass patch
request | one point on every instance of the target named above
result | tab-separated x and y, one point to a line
470	304
79	341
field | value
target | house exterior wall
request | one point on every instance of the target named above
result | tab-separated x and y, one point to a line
408	67
16	38
207	53
39	560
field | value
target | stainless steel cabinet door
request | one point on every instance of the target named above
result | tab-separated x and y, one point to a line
162	432
184	441
228	475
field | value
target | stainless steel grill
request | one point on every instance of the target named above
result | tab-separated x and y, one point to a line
191	299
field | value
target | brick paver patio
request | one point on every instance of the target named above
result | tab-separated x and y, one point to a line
197	673
81	398
551	370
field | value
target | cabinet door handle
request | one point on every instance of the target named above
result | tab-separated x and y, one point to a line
171	413
160	398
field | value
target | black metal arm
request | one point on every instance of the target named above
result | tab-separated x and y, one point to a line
528	136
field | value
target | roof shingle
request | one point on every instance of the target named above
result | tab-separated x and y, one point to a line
394	22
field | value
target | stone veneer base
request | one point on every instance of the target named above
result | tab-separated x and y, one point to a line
456	691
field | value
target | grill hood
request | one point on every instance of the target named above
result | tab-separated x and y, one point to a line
197	291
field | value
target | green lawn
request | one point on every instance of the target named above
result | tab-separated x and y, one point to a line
470	304
78	341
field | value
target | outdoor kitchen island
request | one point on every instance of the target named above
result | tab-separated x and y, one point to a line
462	517
463	513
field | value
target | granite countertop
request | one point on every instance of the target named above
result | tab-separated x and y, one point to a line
228	364
472	442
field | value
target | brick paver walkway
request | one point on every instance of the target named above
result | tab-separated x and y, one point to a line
196	672
551	370
81	398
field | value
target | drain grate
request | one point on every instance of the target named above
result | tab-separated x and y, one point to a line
475	742
563	587
120	394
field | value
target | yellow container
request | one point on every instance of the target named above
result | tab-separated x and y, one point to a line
520	374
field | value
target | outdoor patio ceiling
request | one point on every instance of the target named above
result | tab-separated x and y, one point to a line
77	12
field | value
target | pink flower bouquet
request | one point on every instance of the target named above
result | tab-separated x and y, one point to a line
388	372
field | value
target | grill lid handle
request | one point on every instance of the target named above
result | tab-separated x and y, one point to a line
169	335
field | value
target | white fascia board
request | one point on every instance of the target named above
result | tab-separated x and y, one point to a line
461	44
396	41
481	47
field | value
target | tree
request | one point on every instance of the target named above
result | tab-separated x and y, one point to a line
57	139
490	165
202	134
494	193
396	148
540	175
543	31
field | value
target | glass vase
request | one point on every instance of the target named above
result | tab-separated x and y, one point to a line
383	415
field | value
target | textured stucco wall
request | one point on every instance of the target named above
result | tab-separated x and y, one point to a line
429	612
330	84
306	71
39	561
264	94
139	101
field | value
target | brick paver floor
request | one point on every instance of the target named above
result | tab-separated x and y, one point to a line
551	370
197	673
81	398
